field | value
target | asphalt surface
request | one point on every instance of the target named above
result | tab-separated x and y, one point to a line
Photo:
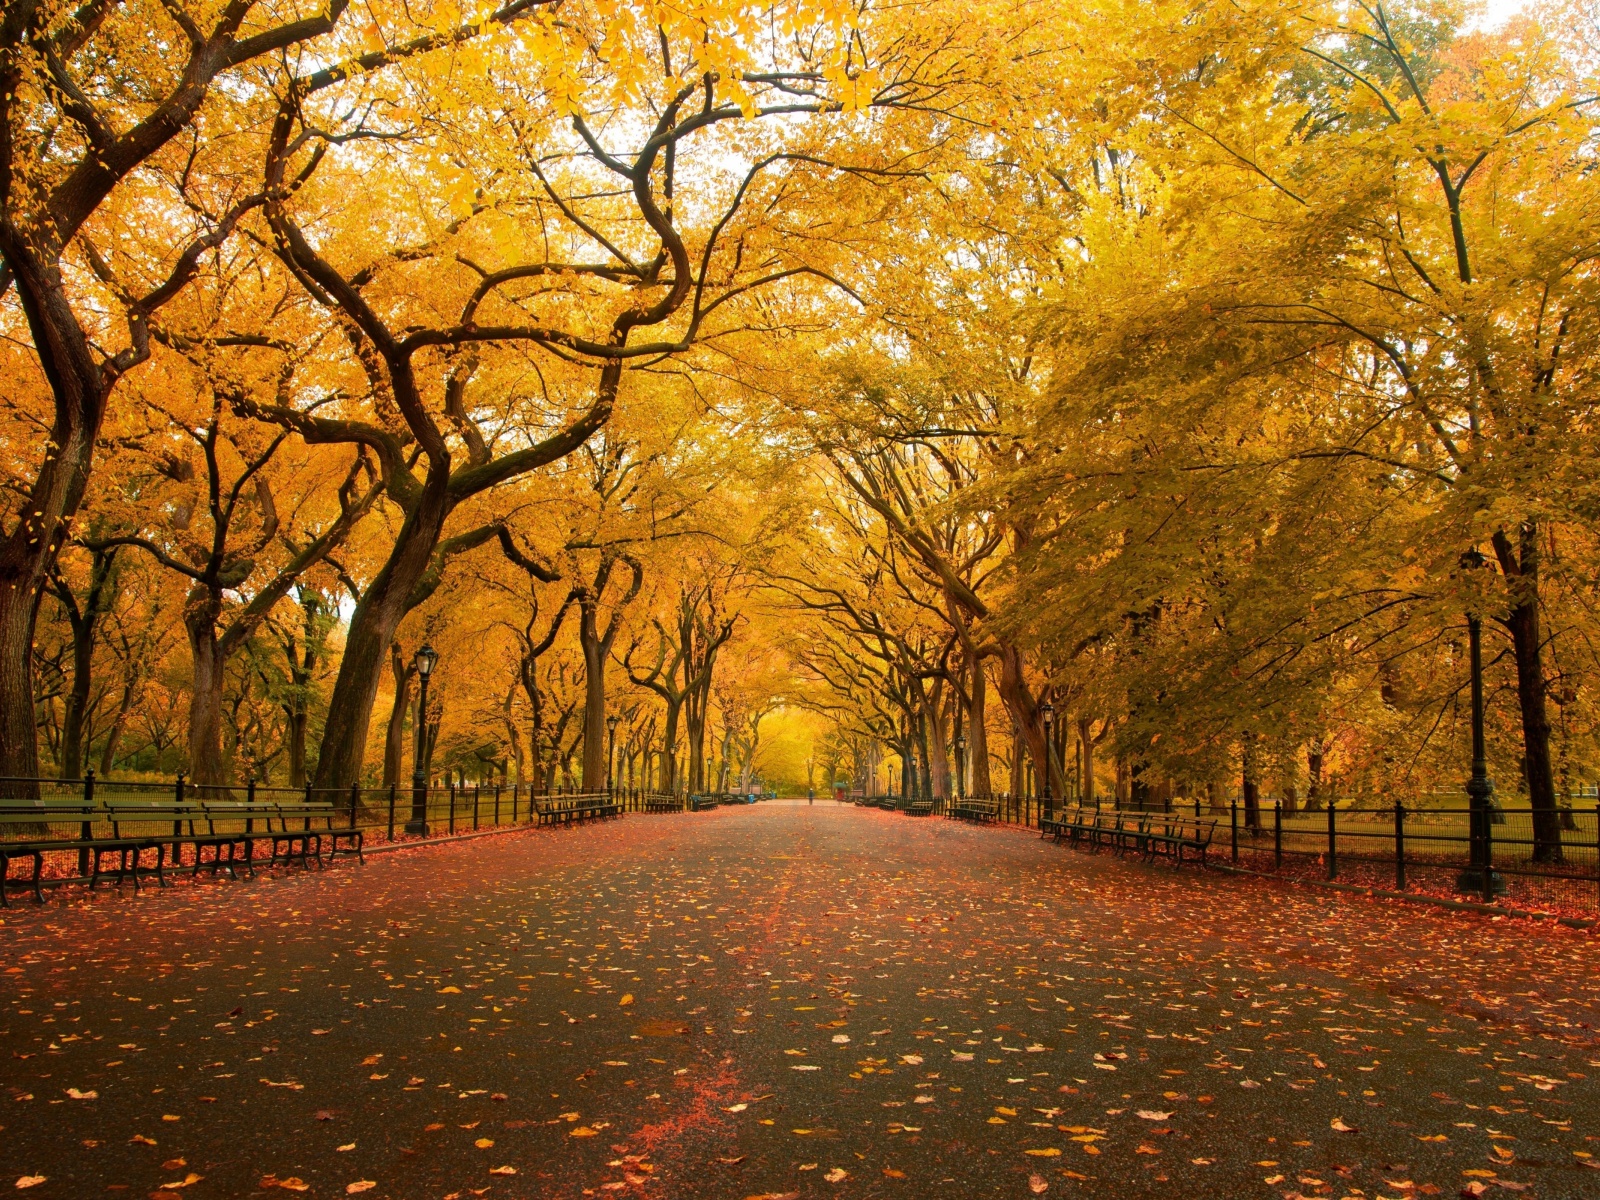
787	1001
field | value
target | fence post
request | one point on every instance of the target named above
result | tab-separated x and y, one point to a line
308	805
86	830
451	788
515	787
250	798
355	799
177	822
1399	846
391	811
476	789
1277	835
1333	842
1233	828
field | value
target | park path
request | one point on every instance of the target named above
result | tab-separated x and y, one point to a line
787	1000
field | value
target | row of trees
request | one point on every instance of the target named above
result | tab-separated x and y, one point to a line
1189	436
312	310
911	372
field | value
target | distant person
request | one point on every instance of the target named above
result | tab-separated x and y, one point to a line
811	795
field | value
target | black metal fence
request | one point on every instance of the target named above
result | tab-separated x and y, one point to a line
1433	849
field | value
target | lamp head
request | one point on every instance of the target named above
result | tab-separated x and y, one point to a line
961	742
426	657
611	722
1048	712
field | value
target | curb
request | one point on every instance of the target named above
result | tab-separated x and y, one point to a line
1495	910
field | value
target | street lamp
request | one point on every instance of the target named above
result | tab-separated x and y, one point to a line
961	767
424	661
611	753
1479	875
1048	712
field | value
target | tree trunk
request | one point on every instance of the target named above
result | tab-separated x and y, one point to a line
938	740
206	765
1252	793
108	752
1314	786
372	628
1522	577
1086	791
978	733
76	710
394	738
29	551
594	700
1013	689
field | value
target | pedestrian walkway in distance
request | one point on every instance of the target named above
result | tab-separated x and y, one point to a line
790	999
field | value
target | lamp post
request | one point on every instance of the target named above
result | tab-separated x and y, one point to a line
961	766
1047	711
611	753
1479	875
424	660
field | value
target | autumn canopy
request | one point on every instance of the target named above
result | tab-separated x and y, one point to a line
800	392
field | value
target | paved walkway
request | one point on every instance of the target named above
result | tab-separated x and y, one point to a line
788	1001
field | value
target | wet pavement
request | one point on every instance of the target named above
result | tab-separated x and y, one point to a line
788	1000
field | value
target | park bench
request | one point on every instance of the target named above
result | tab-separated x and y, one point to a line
975	809
20	838
562	810
918	808
1171	836
662	804
1072	823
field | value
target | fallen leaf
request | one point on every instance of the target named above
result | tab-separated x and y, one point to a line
449	991
627	999
502	1170
1338	1126
360	1185
914	1060
483	1143
1150	1115
581	1131
346	1146
294	1184
1038	1185
190	1178
735	1107
142	1140
28	1181
837	1175
75	1094
1047	1152
731	1162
